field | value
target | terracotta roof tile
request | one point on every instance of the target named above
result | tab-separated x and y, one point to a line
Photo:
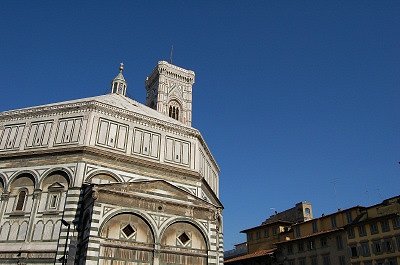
256	254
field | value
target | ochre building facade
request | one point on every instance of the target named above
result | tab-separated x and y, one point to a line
357	236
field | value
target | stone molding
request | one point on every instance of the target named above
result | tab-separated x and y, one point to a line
87	154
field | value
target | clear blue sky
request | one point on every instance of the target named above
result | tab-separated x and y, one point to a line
296	99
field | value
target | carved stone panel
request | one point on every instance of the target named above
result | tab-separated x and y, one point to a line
146	143
69	131
39	134
111	134
10	136
177	151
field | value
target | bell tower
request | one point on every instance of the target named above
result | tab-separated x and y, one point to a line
169	91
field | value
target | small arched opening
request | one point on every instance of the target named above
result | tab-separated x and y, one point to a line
174	110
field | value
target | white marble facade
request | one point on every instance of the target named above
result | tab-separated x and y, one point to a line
133	184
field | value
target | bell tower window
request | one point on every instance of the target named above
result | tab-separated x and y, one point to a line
174	111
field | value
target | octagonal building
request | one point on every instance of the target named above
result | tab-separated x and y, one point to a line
108	180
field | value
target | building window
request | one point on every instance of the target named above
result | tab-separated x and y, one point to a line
324	242
128	231
314	260
373	228
342	260
314	226
173	112
349	217
353	250
258	234
326	260
392	261
297	231
365	249
274	231
339	242
302	261
53	201
266	232
290	249
362	231
311	245
350	232
398	242
396	222
333	221
388	245
377	247
385	225
291	262
184	239
21	200
249	236
300	246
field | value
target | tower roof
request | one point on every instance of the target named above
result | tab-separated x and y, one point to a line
119	84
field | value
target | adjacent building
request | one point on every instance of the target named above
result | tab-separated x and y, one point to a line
358	236
108	180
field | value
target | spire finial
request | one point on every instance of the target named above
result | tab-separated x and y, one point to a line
121	67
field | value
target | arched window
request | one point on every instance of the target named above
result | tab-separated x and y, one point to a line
174	112
21	200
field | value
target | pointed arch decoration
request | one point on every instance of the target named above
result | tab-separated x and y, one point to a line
38	231
23	229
